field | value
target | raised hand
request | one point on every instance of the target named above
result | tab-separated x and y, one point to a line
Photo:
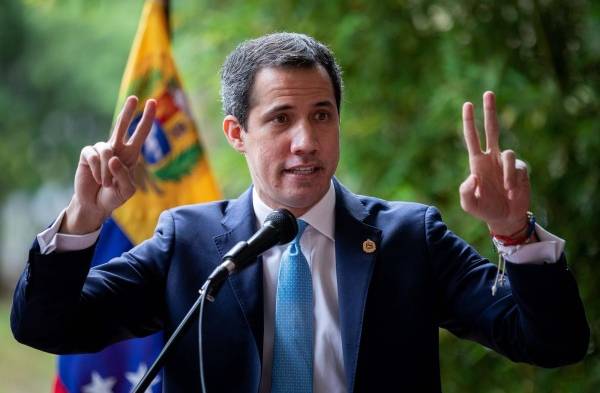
497	191
103	180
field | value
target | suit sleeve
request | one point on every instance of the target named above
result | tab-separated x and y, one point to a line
60	305
536	317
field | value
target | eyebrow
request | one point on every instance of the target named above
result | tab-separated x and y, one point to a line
278	108
284	107
327	104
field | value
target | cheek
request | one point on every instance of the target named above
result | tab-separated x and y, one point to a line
274	151
266	162
333	147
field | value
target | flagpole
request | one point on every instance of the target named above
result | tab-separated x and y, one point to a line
167	8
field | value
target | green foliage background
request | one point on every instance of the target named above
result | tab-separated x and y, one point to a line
408	67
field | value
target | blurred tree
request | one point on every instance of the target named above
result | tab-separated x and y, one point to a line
408	66
60	68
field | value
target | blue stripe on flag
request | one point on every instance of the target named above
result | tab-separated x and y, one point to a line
118	368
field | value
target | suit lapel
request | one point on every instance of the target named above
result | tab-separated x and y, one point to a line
355	261
240	223
354	269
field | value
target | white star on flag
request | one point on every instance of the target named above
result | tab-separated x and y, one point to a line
99	384
135	377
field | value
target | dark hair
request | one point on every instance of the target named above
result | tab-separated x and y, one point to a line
272	50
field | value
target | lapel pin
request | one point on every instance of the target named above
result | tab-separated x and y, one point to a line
369	246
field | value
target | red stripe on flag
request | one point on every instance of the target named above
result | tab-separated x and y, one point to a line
59	387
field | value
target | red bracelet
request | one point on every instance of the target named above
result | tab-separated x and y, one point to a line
511	240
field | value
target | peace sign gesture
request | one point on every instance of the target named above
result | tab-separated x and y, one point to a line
103	180
497	191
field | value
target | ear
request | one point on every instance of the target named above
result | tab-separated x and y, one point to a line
233	132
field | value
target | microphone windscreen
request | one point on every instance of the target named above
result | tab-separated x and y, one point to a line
285	223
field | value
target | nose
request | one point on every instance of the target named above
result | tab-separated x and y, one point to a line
304	139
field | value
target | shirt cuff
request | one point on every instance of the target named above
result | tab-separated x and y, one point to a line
548	249
50	240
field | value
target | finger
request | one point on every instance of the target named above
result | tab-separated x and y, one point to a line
90	157
522	171
123	121
521	165
467	190
105	153
522	186
122	181
509	169
490	119
144	126
470	131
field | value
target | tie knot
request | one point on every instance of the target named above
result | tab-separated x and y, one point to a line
301	227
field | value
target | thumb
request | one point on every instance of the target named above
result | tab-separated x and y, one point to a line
468	200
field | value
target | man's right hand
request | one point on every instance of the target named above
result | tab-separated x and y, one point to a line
103	180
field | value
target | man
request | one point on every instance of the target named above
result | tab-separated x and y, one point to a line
382	276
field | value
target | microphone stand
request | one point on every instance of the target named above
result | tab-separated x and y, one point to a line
280	227
209	289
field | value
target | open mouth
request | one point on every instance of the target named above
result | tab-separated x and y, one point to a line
303	171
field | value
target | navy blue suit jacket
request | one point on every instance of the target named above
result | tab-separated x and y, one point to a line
392	301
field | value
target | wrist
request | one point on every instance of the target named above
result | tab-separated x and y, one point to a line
509	229
523	235
80	219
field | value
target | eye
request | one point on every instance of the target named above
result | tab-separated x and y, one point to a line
280	118
322	116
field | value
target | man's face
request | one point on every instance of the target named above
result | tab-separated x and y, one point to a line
291	141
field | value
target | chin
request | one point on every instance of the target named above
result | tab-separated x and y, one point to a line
304	202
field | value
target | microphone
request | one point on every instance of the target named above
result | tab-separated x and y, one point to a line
280	227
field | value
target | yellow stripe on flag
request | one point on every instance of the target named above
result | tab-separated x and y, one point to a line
173	169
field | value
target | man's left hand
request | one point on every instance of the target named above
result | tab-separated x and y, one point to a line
497	190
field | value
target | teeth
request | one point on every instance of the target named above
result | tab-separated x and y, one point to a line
302	171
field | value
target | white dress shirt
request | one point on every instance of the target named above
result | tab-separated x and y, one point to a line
318	246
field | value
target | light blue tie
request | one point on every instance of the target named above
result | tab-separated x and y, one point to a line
293	342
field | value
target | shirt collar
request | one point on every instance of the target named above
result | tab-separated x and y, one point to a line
321	216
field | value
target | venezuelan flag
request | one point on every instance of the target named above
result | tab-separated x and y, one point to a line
173	170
